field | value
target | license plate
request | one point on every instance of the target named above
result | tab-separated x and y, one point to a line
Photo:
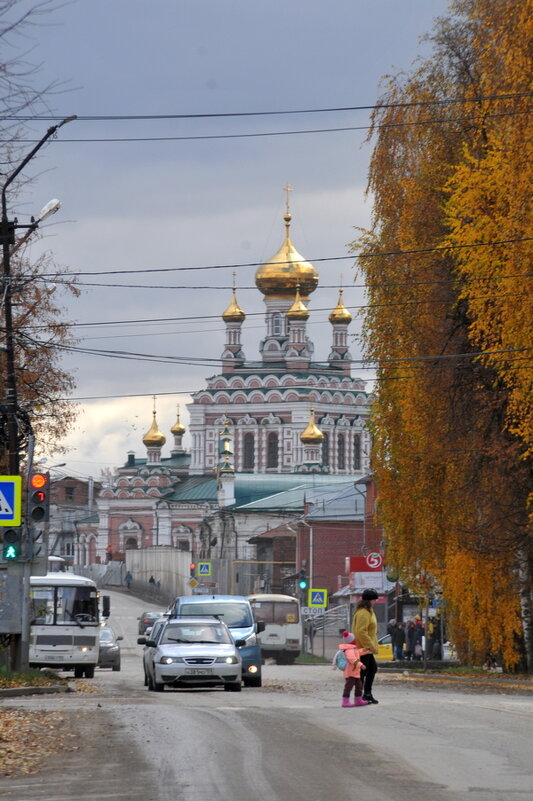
56	657
198	671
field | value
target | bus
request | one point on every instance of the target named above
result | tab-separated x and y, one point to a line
65	623
282	637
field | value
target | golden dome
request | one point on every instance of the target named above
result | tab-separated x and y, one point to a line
178	429
312	434
340	313
285	270
153	436
298	310
234	313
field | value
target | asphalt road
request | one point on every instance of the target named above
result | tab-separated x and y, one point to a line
288	741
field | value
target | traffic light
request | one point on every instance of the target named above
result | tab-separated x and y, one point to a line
12	547
192	569
39	500
302	579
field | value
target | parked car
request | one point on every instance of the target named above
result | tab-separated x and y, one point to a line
109	655
146	620
384	653
152	633
193	652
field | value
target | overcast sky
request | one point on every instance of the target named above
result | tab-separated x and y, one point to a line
165	201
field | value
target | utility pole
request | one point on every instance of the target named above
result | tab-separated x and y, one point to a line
20	572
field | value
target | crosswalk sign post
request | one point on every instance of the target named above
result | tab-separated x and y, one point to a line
10	500
203	568
317	599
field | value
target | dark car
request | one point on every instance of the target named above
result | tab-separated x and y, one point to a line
147	619
109	649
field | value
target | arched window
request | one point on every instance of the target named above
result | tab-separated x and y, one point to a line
357	451
276	325
130	544
248	459
325	450
341	452
272	449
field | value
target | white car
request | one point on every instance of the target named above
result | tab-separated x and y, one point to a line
193	652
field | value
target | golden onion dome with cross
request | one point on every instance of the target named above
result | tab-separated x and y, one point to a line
312	434
178	429
280	275
234	313
154	437
340	313
298	310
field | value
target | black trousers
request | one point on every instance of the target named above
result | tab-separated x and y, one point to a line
367	675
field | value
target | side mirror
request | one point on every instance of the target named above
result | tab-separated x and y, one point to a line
150	643
260	626
141	640
240	643
106	606
120	637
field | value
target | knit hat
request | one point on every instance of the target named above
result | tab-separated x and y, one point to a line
369	595
347	636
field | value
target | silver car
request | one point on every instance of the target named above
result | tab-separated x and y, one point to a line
194	652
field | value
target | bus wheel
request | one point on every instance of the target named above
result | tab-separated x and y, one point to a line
89	671
78	672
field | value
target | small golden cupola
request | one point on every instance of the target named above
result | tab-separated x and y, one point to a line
340	313
298	310
178	429
234	313
312	434
154	438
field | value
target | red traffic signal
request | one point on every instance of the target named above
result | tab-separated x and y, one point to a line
192	569
39	500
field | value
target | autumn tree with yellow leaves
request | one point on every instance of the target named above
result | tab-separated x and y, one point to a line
450	324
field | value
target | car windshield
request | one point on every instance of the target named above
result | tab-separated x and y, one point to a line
235	615
194	633
106	635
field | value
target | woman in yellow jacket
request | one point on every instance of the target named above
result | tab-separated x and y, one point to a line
365	628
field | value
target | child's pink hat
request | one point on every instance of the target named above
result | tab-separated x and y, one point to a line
347	636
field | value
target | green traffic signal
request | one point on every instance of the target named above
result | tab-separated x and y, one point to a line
302	584
12	547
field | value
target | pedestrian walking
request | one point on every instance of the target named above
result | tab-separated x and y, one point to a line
398	641
128	578
365	628
352	671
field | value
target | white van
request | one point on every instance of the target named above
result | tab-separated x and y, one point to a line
282	637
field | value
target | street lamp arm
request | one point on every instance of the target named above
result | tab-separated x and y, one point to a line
50	132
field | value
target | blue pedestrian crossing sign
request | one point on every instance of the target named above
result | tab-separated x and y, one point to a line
317	598
10	500
203	568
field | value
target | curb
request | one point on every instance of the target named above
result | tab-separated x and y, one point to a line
14	692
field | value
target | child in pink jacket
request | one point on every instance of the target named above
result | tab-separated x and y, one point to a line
352	671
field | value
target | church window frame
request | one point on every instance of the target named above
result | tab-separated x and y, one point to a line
248	451
272	450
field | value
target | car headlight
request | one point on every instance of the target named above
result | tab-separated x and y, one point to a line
227	660
251	640
168	660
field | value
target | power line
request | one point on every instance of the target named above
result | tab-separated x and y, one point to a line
413	252
326	110
259	134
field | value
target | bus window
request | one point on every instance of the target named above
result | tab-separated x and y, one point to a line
76	603
42	605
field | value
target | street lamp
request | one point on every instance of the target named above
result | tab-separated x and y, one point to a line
7	238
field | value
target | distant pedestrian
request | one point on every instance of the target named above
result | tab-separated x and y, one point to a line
352	671
128	578
398	641
365	628
151	581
